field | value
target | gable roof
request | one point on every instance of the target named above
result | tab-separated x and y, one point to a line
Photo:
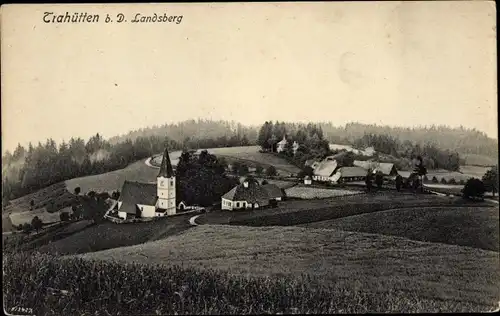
273	191
325	168
166	169
352	172
134	193
385	168
255	193
309	162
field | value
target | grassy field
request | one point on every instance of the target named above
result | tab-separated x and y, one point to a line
371	262
53	198
110	235
54	233
304	192
247	154
479	160
465	226
111	181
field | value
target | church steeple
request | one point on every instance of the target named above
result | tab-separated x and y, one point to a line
166	170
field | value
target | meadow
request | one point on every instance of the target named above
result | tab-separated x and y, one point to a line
352	261
304	192
110	235
247	154
465	226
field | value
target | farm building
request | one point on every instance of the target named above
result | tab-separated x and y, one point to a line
149	199
250	194
387	169
281	145
348	174
325	171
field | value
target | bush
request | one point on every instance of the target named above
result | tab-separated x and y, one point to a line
461	182
443	180
64	216
474	188
271	171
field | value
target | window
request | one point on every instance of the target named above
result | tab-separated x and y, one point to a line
237	204
172	182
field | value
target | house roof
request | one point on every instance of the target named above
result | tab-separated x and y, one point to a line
325	168
273	191
134	193
252	194
166	169
309	162
385	167
352	172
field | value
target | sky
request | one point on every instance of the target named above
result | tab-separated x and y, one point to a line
394	63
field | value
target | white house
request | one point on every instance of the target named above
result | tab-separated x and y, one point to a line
250	195
307	180
281	145
149	199
325	171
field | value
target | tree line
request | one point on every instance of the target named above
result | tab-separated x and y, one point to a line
27	170
314	145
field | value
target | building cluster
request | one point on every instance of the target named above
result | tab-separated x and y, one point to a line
330	171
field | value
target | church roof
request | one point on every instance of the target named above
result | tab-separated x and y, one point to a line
166	169
134	193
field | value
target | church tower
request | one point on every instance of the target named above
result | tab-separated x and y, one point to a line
166	186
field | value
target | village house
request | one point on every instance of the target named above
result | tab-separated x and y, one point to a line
349	174
385	168
149	199
325	171
250	195
281	145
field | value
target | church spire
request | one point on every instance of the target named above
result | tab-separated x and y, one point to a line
166	169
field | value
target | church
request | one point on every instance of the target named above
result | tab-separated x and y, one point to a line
149	199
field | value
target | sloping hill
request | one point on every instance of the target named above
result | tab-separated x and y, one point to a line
375	263
466	226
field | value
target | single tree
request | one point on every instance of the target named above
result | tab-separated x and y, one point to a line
36	223
32	204
368	180
379	180
490	180
443	180
452	181
271	171
64	216
473	189
27	228
259	169
264	182
399	181
77	190
435	180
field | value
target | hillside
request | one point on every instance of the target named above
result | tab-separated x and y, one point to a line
374	263
465	226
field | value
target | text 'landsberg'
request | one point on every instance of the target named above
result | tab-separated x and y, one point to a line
84	17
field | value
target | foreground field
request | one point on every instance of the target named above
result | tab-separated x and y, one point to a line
92	288
466	226
353	261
